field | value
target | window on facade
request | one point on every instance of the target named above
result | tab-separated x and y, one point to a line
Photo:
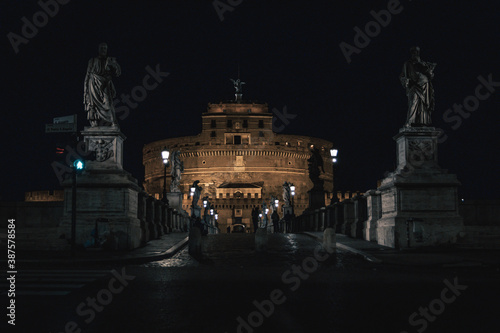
213	134
256	195
229	123
237	139
213	123
261	134
245	123
261	123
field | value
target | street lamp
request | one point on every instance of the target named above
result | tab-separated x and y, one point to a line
292	190
193	189
276	203
333	153
164	155
205	201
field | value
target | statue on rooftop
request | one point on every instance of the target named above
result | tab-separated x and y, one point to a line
98	89
416	79
238	85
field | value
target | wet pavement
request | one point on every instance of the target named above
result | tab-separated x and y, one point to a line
293	287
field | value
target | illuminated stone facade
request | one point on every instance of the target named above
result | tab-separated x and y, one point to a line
239	162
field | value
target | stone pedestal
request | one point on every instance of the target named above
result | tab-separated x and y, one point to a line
104	191
196	212
287	210
316	198
418	191
175	200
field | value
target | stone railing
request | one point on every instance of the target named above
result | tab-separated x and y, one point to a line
358	217
157	219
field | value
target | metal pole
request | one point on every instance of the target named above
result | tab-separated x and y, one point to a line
73	214
164	182
408	230
333	182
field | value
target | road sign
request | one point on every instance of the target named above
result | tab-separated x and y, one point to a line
65	120
60	128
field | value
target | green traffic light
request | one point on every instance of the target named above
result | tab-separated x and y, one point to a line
79	164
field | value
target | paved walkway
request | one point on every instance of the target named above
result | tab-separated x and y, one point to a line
445	257
156	249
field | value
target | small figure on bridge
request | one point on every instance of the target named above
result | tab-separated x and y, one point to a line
275	218
255	218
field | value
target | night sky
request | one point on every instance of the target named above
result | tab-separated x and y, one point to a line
289	56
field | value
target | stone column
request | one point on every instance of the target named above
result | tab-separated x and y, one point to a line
157	217
163	222
373	214
349	217
150	215
141	215
169	219
359	216
339	217
322	211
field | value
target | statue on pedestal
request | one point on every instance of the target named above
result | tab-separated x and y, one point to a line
99	91
286	194
176	171
197	194
315	164
416	79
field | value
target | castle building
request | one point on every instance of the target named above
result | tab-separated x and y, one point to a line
240	162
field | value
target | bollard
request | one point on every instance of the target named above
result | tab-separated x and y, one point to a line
329	240
261	240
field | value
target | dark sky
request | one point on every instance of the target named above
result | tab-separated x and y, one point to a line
289	55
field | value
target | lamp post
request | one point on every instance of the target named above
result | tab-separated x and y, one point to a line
292	192
164	155
333	153
78	166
